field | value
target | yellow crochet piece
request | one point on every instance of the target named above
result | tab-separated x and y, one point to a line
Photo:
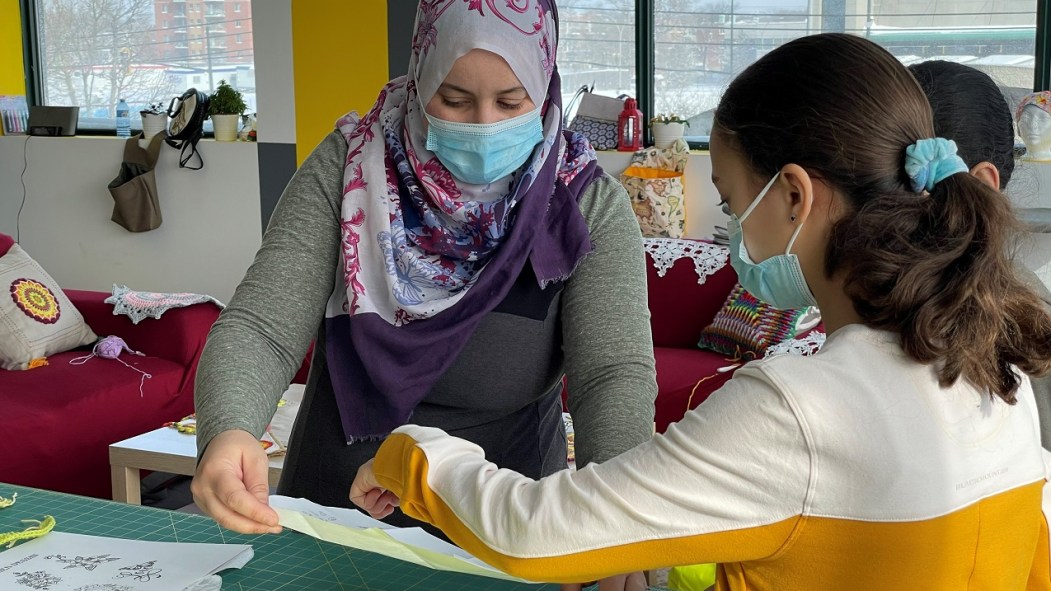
37	529
5	502
38	362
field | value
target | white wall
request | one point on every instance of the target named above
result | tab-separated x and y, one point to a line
211	217
275	84
1030	187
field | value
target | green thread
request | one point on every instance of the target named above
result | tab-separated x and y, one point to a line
35	530
5	502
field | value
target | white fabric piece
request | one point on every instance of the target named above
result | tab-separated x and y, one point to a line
139	305
707	258
808	345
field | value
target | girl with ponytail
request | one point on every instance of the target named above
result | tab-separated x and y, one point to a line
904	455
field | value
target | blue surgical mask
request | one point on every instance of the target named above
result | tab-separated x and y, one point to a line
779	279
480	153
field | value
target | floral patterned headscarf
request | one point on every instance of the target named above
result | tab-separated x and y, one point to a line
1040	100
426	256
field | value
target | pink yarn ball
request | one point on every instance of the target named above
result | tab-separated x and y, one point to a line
111	347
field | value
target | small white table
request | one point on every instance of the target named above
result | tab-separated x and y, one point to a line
167	450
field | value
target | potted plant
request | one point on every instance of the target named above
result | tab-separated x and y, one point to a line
225	106
667	129
154	120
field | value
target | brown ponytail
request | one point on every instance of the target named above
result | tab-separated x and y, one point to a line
934	268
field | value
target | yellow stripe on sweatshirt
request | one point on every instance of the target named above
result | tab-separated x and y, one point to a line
402	468
998	543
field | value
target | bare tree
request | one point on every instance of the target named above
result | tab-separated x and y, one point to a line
98	51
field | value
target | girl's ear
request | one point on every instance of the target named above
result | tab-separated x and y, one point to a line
800	191
987	173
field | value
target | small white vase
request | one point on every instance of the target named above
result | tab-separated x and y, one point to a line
152	124
225	127
665	134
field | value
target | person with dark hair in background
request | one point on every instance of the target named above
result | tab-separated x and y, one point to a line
903	455
969	109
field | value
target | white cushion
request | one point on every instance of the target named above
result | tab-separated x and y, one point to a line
36	318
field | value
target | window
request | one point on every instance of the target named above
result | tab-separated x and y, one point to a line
237	7
239	38
597	46
237	24
93	52
700	45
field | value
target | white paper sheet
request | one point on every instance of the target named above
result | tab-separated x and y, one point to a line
62	561
357	530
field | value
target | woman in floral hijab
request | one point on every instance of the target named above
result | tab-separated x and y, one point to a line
461	252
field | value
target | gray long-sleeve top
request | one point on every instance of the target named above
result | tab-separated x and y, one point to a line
596	328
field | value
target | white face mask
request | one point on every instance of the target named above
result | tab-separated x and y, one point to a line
778	280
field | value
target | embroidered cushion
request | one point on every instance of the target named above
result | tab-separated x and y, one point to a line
36	318
745	326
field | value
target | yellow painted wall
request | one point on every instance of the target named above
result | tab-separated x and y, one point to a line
339	53
12	74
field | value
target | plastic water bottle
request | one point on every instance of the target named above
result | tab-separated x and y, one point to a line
123	119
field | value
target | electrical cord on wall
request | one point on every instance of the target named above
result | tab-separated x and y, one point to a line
22	177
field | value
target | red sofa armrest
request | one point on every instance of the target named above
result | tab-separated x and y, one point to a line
680	308
178	335
304	368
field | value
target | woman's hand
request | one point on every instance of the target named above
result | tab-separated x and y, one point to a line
231	484
367	493
628	582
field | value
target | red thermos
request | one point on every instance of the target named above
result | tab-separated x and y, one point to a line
629	127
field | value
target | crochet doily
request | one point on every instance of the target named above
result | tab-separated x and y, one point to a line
707	258
138	305
807	345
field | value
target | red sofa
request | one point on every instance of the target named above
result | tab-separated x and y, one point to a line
58	420
679	310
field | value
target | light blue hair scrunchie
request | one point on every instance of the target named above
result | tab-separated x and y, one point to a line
929	162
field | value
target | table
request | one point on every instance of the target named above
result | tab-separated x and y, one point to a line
284	562
167	450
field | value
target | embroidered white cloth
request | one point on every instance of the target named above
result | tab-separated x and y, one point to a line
808	345
138	305
707	258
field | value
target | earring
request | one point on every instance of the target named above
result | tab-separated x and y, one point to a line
793	218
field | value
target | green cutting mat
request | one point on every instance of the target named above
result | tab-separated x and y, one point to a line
285	562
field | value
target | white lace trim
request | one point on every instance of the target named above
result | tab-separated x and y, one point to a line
707	258
807	345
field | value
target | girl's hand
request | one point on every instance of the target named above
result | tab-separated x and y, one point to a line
367	493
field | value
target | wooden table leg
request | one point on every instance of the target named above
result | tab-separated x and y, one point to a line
125	484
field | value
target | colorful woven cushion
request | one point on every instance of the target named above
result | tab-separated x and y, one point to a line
745	326
36	318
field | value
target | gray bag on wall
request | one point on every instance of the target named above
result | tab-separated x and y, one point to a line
136	205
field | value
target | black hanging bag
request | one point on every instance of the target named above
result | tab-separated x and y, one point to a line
187	113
